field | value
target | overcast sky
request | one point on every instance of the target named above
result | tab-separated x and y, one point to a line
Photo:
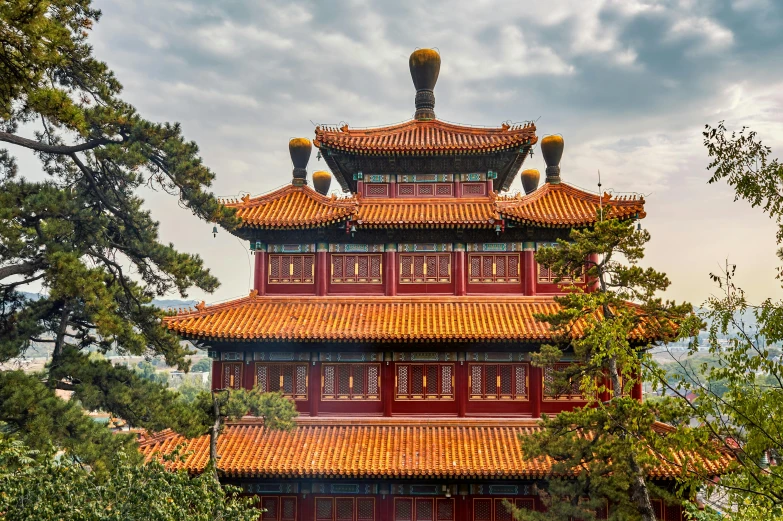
628	84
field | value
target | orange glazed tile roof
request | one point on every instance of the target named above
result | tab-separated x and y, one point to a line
353	319
400	448
425	136
427	213
550	205
292	207
565	205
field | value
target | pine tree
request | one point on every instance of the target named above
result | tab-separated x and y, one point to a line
84	235
602	453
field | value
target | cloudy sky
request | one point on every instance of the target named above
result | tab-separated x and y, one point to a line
629	85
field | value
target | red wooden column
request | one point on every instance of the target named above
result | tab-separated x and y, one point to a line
360	187
457	186
536	390
636	391
217	375
314	383
461	385
392	186
259	281
387	384
390	265
306	510
249	372
321	268
490	187
460	275
529	267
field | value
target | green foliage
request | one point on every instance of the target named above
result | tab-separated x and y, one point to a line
603	452
83	233
36	485
148	372
202	366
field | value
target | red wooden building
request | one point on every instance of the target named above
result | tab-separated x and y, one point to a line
400	319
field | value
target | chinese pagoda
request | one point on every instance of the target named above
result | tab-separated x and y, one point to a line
399	318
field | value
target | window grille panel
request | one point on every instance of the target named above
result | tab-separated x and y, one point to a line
430	268
344	380
270	504
546	276
482	510
501	511
324	509
344	507
291	269
424	509
375	268
406	189
494	268
288	509
403	509
365	509
232	375
551	390
351	381
411	381
445	509
527	503
291	379
426	189
498	381
353	269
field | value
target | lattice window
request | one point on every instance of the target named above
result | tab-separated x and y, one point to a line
498	381
290	379
482	509
425	189
376	190
278	508
673	513
353	269
487	509
423	509
408	189
546	276
291	269
657	505
444	190
351	382
232	375
551	390
445	509
474	189
425	381
494	268
345	509
324	508
427	268
403	509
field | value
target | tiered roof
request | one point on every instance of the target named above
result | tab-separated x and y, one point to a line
384	447
374	319
552	205
425	137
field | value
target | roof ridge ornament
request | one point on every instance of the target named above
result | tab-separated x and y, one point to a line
300	149
425	67
552	150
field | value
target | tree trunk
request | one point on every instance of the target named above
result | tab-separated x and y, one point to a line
214	432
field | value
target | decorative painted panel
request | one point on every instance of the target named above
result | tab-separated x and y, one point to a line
424	247
492	247
232	375
290	379
423	356
232	356
351	382
552	392
478	176
291	248
495	356
377	178
350	356
494	269
498	381
357	269
425	178
425	382
281	356
291	269
356	248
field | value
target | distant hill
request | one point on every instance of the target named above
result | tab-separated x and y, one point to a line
161	303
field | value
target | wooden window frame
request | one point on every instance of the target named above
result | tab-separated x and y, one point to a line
424	396
355	279
493	278
499	396
547	277
416	500
280	499
303	279
496	503
425	279
354	508
574	396
270	387
232	380
351	395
